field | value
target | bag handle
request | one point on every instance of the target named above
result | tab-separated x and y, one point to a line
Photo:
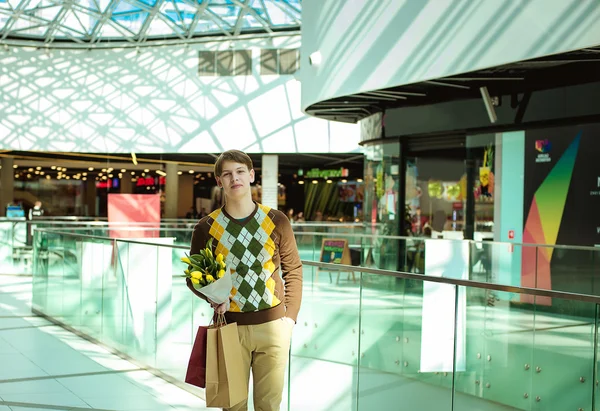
218	320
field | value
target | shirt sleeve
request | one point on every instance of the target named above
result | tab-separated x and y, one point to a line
291	268
198	242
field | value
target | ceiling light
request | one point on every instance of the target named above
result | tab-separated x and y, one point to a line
179	173
301	182
104	170
48	177
123	170
110	176
146	170
53	167
15	166
31	169
42	173
85	174
90	168
133	173
161	173
329	181
84	178
359	180
191	171
38	168
315	182
64	169
344	181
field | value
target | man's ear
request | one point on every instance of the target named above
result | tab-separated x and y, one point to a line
218	182
252	176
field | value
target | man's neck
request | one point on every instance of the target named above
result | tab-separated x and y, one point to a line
241	208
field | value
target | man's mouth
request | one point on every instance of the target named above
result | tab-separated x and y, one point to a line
236	186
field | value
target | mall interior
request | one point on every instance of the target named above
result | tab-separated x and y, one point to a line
437	160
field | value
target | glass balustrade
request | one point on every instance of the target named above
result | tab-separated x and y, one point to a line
459	335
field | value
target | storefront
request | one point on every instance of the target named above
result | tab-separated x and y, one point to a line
531	183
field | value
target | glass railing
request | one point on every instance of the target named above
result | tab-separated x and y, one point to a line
559	268
365	338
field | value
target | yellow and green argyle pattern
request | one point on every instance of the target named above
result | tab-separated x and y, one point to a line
248	250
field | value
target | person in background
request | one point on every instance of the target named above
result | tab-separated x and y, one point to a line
290	215
36	211
300	217
191	214
203	212
261	253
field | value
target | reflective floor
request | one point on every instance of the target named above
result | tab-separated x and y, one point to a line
44	367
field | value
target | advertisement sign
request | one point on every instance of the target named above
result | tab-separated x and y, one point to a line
561	203
128	209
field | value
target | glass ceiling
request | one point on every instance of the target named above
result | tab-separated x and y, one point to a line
90	21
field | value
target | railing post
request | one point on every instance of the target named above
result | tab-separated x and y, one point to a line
455	339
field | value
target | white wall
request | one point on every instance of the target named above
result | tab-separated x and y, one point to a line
121	101
367	45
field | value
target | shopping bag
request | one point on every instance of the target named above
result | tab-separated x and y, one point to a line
196	371
225	382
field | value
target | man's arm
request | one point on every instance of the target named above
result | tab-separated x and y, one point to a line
197	244
291	268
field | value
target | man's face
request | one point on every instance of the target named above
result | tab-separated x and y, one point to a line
235	179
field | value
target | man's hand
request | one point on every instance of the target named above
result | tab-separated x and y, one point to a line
220	308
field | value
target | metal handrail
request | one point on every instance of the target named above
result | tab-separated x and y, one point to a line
398	274
395	237
458	282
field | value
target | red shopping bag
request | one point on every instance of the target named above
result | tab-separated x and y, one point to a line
196	371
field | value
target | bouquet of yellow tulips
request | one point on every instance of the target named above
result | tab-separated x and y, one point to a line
209	274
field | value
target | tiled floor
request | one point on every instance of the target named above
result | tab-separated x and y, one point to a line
44	367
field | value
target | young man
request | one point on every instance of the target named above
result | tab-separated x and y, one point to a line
260	250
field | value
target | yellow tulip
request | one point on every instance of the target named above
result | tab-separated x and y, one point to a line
186	271
195	280
220	258
221	273
208	252
223	264
186	260
196	274
210	278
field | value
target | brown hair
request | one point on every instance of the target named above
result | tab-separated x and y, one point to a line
236	156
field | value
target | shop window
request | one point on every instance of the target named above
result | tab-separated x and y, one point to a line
279	61
225	63
207	63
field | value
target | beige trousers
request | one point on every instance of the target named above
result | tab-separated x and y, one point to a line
265	351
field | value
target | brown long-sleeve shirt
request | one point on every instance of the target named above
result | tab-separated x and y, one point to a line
261	253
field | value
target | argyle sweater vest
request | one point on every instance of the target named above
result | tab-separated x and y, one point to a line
260	251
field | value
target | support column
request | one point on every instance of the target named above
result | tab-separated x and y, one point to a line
171	191
90	197
270	178
7	183
126	185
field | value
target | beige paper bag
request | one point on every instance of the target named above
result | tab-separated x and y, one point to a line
225	382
